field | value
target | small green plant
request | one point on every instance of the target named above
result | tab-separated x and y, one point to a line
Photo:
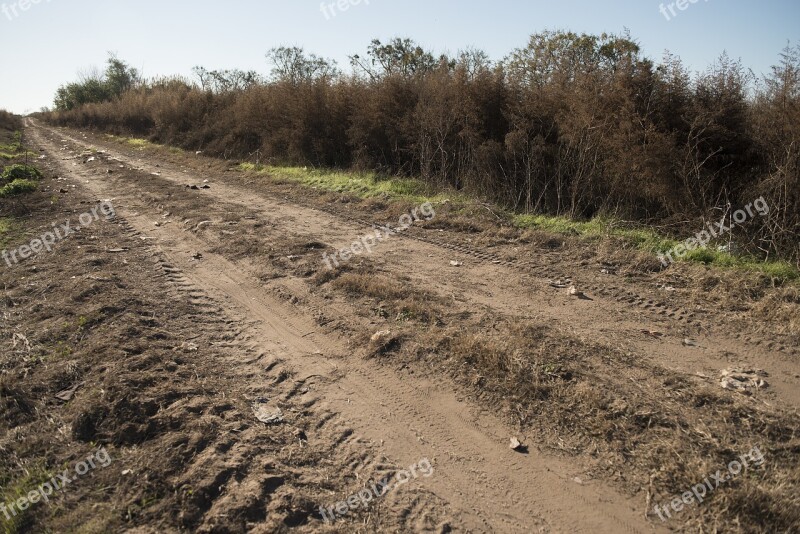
17	188
138	143
14	489
19	171
6	227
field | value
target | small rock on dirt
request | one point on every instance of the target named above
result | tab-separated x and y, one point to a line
381	337
267	415
516	445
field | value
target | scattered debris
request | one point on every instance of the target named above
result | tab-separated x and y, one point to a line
608	268
743	380
561	284
19	338
516	445
687	342
187	347
67	394
656	335
456	264
381	337
266	415
117	250
575	292
91	159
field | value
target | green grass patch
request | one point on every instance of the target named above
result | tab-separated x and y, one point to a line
650	241
16	489
360	184
17	188
21	172
138	143
6	228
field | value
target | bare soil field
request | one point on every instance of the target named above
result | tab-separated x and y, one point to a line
239	384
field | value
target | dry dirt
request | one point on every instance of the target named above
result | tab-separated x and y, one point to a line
192	307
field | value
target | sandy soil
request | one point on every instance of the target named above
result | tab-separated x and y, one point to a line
194	308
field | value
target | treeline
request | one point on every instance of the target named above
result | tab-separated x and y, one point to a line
576	125
9	121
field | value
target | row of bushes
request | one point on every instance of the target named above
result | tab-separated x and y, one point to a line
575	125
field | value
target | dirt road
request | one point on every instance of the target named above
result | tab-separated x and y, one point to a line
310	344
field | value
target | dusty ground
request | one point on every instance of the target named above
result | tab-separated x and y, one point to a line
193	307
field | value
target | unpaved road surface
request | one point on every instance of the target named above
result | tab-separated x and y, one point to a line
303	347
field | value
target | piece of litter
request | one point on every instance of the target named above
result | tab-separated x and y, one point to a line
267	416
657	335
456	264
67	394
743	380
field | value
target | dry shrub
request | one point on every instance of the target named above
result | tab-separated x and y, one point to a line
570	124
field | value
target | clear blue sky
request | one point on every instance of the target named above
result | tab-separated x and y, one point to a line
52	40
